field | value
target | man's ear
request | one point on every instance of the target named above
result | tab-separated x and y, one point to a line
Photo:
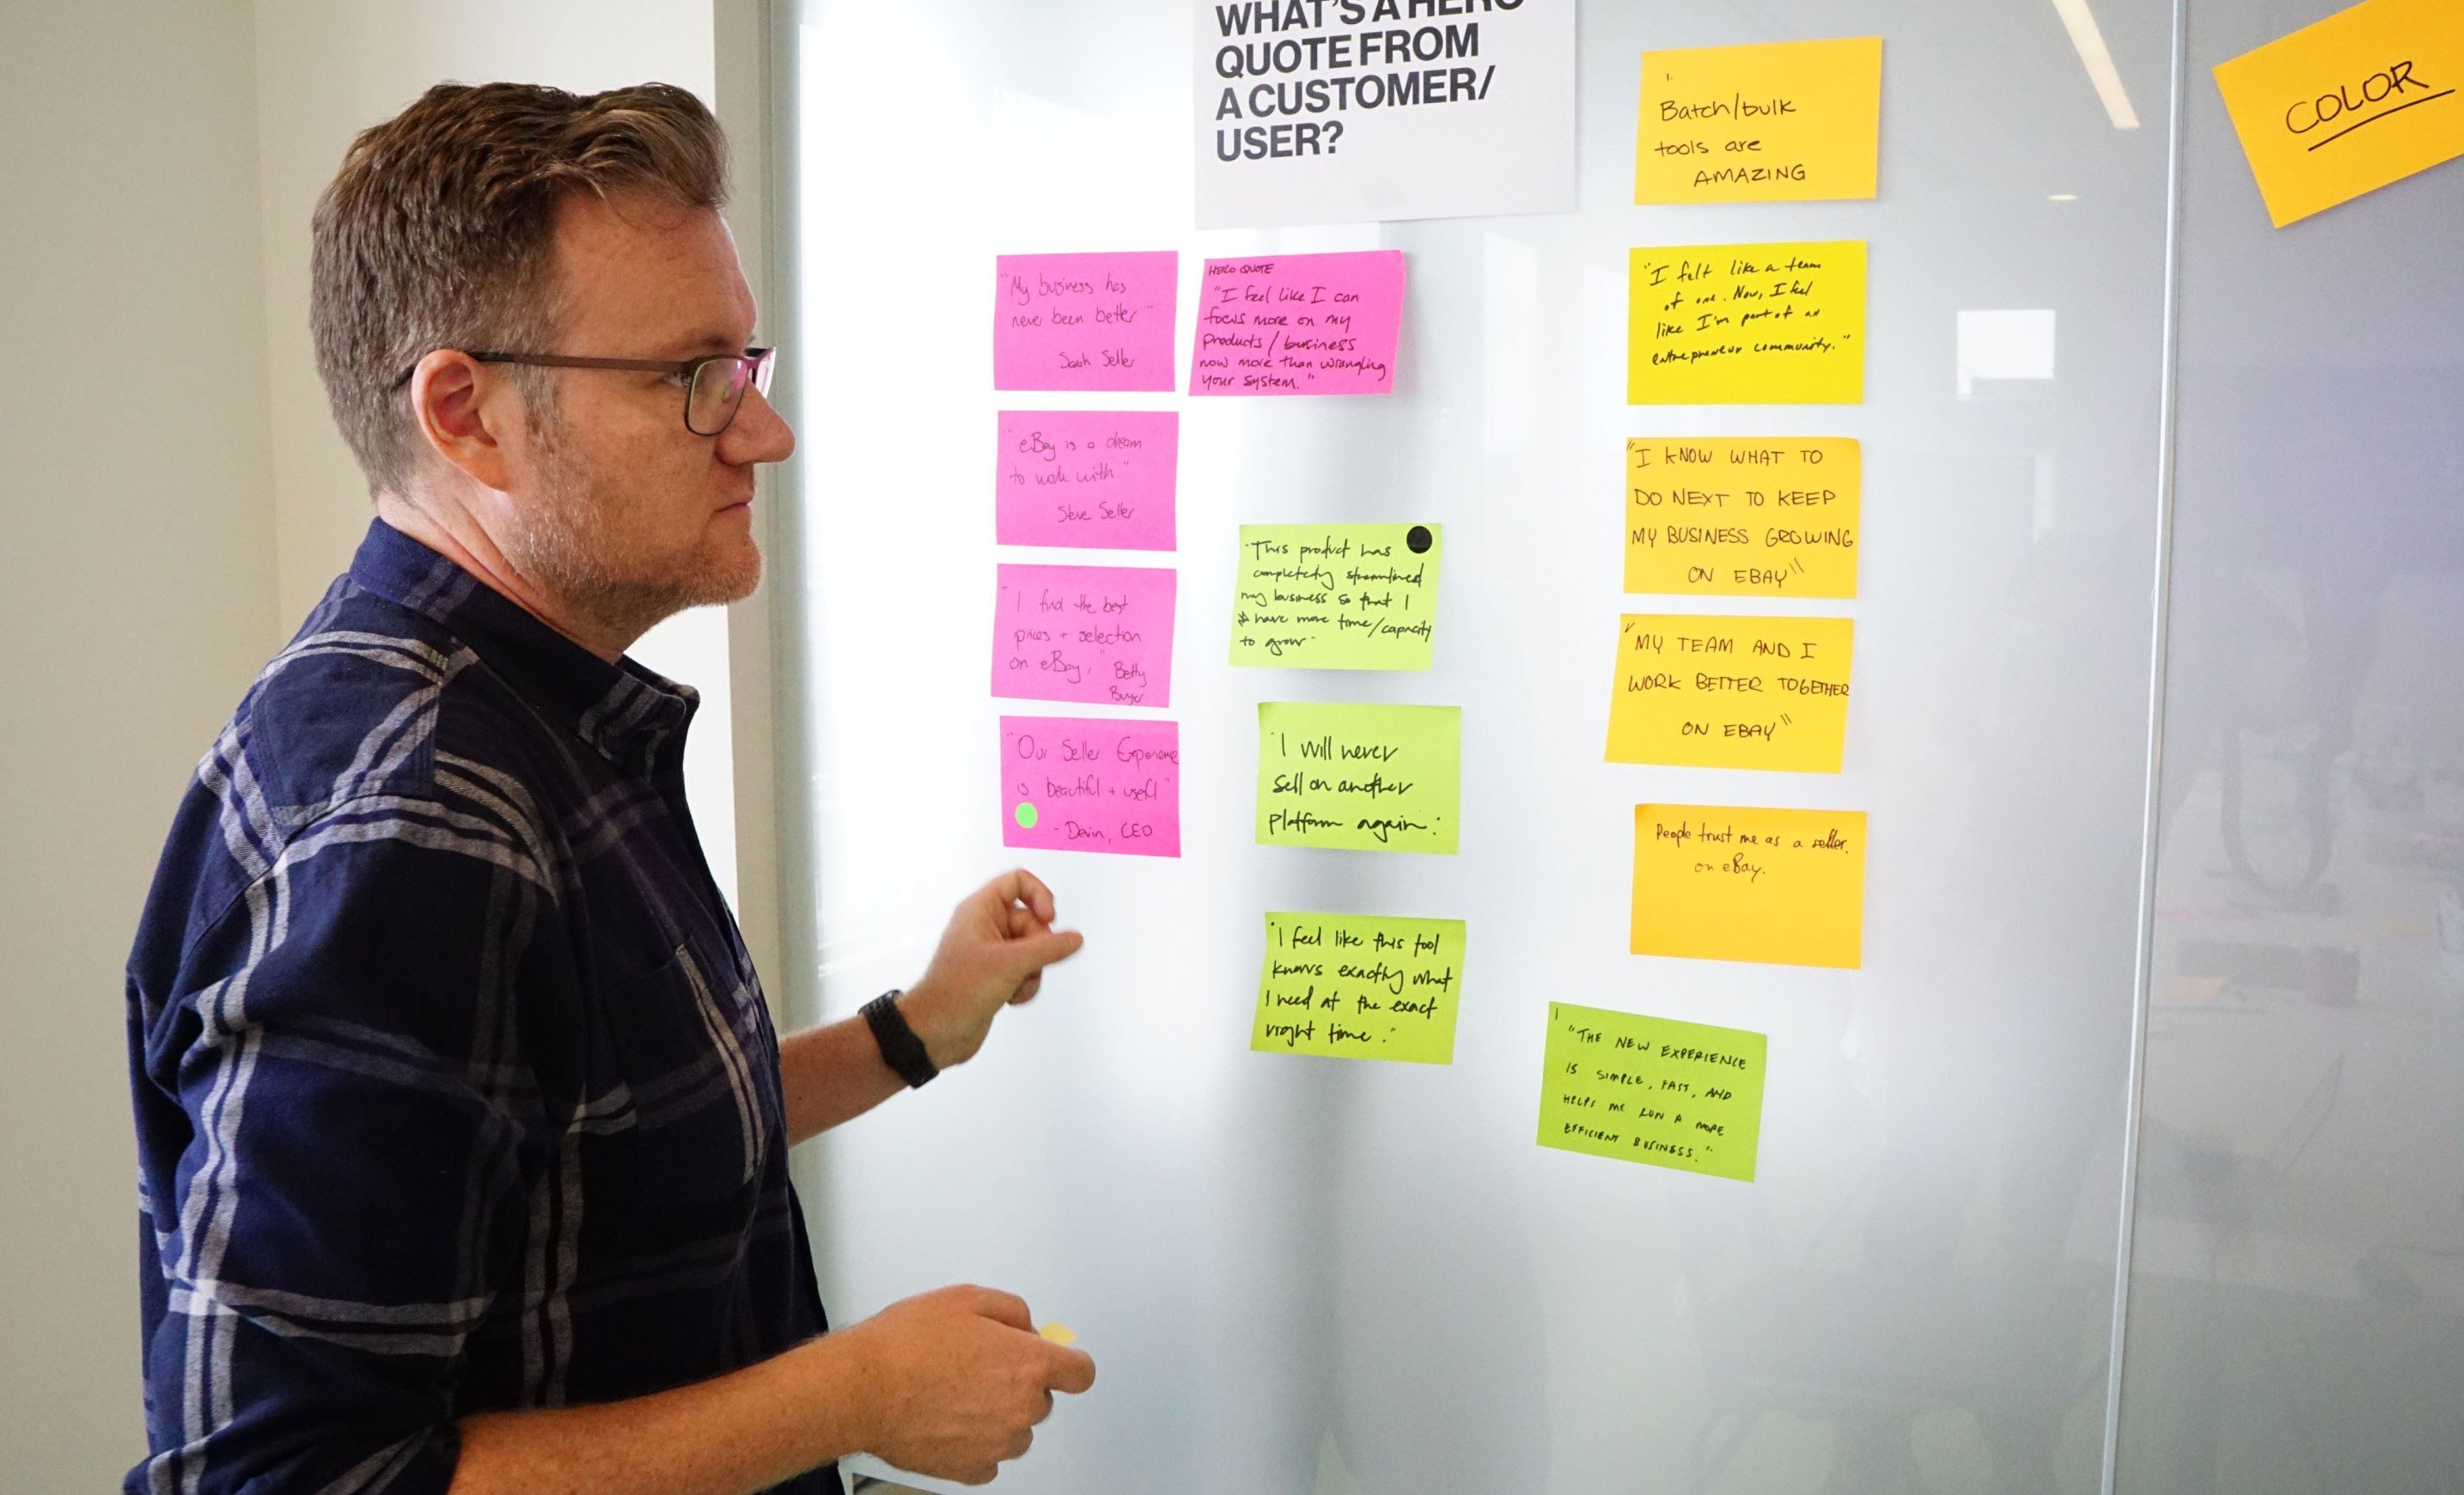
464	413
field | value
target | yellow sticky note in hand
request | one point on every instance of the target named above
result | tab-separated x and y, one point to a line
2343	107
1776	122
1746	324
1729	883
1058	1333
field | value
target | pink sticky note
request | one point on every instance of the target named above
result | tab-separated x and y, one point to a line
1084	322
1097	478
1074	783
1299	325
1085	633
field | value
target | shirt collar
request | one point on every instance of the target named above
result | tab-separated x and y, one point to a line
633	715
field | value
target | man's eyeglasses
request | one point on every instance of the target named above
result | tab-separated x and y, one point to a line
713	386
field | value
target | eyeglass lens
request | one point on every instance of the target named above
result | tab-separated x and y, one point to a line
718	389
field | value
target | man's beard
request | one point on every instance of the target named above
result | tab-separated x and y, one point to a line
573	543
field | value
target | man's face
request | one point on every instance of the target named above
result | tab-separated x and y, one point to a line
628	514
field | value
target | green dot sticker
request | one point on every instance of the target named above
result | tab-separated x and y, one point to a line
1026	817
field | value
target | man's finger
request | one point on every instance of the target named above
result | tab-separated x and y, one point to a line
1028	957
1028	989
1018	884
1023	922
1005	1308
1072	1370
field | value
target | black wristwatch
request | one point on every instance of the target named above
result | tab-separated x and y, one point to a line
900	1048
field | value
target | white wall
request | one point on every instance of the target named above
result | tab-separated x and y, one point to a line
137	598
174	500
324	72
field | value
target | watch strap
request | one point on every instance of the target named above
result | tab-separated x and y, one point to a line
900	1048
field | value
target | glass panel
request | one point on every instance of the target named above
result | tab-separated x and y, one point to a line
1313	1275
2297	1289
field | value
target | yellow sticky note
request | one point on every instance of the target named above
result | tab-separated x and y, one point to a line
1746	324
1736	517
1363	778
1359	986
1777	121
1652	1091
1730	693
2360	100
1336	596
1727	883
1058	1333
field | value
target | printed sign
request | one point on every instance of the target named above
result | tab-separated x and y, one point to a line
1350	110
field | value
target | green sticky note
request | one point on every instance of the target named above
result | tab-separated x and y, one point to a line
1363	778
1359	986
1336	596
1652	1091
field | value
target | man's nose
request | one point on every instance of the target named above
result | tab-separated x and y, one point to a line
759	434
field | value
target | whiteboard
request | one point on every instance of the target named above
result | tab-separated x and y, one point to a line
1325	1276
2297	1285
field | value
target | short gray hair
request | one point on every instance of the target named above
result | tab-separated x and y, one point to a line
439	231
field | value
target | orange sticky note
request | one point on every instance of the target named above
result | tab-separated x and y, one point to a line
1775	122
1728	883
2365	98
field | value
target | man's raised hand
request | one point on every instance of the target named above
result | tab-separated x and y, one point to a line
994	952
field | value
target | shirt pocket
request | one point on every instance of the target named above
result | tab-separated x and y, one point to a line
700	1137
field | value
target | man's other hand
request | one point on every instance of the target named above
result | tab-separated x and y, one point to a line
960	1379
993	953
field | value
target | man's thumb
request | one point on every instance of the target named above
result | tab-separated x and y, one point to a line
1032	952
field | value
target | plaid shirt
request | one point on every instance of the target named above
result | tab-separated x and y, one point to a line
454	1088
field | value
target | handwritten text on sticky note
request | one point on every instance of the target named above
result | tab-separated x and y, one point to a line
1746	324
1083	633
1730	693
1788	120
1726	883
1101	479
1336	596
1299	325
1652	1091
1734	516
1357	986
2365	98
1084	322
1090	784
1364	778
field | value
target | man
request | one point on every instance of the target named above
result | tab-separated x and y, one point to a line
462	1126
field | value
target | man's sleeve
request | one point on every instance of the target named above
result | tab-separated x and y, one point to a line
352	1203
